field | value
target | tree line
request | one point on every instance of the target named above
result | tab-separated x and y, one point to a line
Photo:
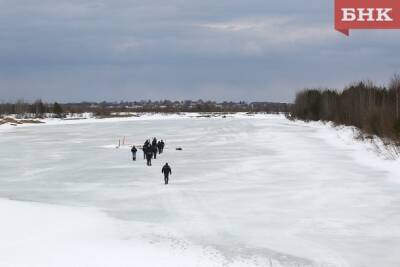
36	109
373	109
106	109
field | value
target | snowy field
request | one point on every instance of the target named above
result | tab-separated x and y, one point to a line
245	191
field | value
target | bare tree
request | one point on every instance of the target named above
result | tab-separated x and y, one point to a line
371	108
395	87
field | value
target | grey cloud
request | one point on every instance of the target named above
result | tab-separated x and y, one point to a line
252	50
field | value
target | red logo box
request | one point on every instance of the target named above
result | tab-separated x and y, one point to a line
366	14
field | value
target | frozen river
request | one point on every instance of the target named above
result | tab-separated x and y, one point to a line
245	191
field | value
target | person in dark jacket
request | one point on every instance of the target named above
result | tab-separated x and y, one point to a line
159	147
167	171
133	150
149	156
147	143
145	148
162	144
154	143
154	150
144	152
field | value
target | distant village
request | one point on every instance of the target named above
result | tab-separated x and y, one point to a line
107	109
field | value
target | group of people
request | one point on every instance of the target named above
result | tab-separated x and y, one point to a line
150	151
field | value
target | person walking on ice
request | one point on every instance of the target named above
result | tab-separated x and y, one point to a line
162	145
133	150
149	156
159	147
167	171
145	148
154	150
154	143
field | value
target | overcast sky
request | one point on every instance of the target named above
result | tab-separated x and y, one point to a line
75	50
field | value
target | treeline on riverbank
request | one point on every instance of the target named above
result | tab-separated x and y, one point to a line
371	108
37	109
40	109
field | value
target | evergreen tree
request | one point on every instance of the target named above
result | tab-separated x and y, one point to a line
57	109
39	108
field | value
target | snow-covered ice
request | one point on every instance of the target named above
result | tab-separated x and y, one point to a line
245	191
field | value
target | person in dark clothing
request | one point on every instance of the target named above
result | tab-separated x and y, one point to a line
133	150
149	156
162	144
154	143
147	143
145	148
144	152
167	171
159	147
154	150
